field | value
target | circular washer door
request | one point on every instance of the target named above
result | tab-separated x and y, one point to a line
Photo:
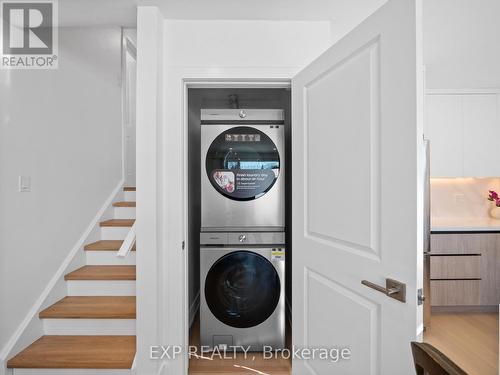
242	289
242	163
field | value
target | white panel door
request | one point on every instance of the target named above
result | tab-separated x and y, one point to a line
481	147
357	138
444	128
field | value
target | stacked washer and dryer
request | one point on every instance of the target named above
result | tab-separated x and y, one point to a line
242	239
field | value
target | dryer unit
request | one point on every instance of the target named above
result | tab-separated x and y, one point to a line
242	290
242	170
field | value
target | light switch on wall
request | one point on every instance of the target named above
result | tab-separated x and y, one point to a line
24	184
459	199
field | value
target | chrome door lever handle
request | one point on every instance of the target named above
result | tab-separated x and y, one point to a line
393	288
393	291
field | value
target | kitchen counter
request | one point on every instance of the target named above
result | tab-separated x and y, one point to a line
465	225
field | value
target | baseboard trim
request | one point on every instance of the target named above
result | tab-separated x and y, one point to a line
32	317
133	369
193	309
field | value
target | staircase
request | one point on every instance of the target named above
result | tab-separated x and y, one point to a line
91	330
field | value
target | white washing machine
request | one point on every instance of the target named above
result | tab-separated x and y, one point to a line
242	290
242	170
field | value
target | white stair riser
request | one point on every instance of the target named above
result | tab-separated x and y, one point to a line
114	233
124	213
101	287
91	327
61	371
109	258
129	196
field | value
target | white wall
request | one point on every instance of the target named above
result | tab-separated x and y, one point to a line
461	47
226	44
345	18
62	128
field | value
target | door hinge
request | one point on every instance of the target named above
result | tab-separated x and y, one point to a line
183	246
420	296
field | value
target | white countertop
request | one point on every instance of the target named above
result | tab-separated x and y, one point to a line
464	225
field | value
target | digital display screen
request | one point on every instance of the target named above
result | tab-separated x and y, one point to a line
242	137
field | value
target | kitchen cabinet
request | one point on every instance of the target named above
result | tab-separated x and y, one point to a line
455	292
465	269
452	267
442	128
463	132
481	128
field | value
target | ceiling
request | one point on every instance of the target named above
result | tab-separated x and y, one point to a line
123	12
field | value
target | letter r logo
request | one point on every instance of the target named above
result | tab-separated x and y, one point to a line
27	28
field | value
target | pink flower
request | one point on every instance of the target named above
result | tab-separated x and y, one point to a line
497	202
493	196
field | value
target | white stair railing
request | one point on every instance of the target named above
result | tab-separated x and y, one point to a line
128	243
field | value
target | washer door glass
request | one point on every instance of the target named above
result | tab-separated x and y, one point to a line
243	163
242	289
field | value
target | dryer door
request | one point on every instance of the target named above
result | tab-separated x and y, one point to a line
242	289
242	163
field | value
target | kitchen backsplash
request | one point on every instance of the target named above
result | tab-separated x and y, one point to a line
462	197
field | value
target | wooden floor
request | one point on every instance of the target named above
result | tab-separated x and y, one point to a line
254	364
469	339
98	307
95	352
103	273
117	223
105	245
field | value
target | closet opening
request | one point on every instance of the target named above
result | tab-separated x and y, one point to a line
239	253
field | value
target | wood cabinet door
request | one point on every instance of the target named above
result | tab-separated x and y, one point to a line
456	267
490	275
455	292
485	246
460	243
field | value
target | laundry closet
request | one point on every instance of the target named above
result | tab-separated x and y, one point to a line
239	196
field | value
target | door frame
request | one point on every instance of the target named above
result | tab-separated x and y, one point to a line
208	83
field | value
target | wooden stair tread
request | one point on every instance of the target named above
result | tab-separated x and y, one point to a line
102	273
79	352
99	307
124	204
117	223
129	188
105	245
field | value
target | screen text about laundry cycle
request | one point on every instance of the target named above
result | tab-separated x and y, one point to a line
161	352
